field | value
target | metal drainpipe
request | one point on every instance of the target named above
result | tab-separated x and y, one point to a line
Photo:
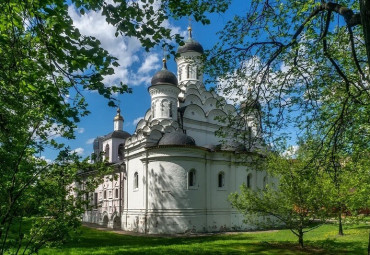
147	192
127	186
206	188
120	197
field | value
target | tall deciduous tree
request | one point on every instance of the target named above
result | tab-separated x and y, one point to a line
45	63
307	63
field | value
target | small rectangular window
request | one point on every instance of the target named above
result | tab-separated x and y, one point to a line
249	177
136	180
221	180
95	200
191	178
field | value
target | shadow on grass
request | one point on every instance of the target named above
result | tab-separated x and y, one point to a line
356	227
332	246
94	238
91	241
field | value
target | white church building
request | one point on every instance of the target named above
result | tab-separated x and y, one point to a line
173	174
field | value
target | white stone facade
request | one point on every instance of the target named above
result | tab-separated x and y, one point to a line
173	176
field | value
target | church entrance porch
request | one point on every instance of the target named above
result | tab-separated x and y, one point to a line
117	222
105	221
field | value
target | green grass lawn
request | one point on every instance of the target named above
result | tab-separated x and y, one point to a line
323	240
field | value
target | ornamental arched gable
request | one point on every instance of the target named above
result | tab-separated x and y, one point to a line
214	114
192	92
192	99
195	112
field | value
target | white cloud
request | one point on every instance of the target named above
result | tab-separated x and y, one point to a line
126	49
137	120
49	161
291	151
150	63
79	151
80	130
234	86
53	131
90	141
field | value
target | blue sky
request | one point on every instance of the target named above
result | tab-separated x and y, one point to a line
136	69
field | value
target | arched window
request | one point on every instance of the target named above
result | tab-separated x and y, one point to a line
105	194
96	200
162	108
136	180
249	181
116	193
188	71
191	178
165	108
170	109
265	180
153	110
221	179
121	148
106	152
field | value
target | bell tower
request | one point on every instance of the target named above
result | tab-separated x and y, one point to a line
118	121
189	62
164	93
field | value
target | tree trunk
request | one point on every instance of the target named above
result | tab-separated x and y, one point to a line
340	232
365	21
300	237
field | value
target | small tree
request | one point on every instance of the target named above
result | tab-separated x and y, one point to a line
347	185
295	200
47	206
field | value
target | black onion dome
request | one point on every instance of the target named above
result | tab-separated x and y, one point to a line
117	134
164	77
176	138
190	46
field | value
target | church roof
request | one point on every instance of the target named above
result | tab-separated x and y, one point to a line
117	134
176	138
191	46
233	146
212	147
164	77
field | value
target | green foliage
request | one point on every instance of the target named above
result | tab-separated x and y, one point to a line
45	65
293	63
45	206
294	200
307	63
